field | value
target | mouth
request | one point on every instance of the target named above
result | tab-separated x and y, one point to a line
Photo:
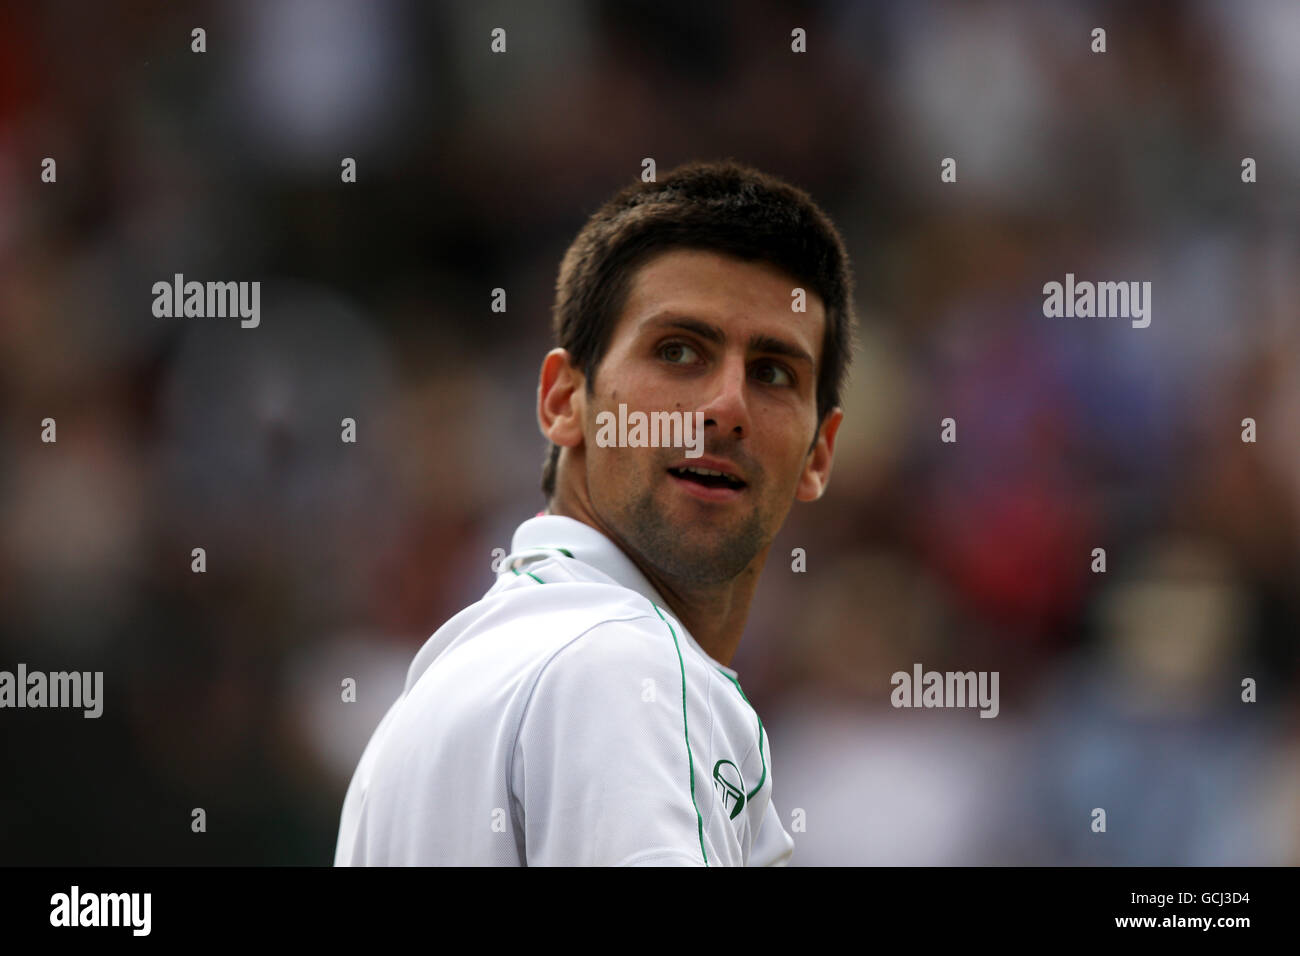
710	484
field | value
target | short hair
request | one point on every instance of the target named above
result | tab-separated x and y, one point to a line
721	206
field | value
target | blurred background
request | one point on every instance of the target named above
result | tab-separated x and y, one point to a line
327	560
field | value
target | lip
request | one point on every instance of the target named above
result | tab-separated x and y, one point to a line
703	492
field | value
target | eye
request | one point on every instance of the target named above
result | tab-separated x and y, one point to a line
779	374
676	353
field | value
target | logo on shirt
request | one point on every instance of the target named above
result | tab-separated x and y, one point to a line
730	786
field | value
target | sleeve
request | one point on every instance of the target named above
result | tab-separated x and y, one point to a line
773	846
605	769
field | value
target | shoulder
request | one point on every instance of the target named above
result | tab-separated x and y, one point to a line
638	646
576	623
617	674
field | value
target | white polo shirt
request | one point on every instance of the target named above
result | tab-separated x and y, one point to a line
567	718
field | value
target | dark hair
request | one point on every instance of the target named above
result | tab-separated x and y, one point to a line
721	206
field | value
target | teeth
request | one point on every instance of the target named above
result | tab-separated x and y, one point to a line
708	471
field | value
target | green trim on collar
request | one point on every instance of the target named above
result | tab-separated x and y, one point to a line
530	574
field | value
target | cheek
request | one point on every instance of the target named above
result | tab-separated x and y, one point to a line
792	466
614	467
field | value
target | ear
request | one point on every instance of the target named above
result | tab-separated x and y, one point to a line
817	469
560	399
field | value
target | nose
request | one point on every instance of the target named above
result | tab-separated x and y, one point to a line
727	407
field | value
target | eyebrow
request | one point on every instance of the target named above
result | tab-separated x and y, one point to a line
767	344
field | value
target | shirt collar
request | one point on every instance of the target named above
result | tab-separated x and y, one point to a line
592	548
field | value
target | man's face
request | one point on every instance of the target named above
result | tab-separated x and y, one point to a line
702	331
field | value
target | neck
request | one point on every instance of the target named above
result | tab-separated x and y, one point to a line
715	614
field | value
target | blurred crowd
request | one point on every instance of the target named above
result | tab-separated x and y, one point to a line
1120	690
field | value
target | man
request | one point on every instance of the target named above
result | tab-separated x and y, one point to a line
583	712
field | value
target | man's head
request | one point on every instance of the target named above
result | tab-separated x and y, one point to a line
680	296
